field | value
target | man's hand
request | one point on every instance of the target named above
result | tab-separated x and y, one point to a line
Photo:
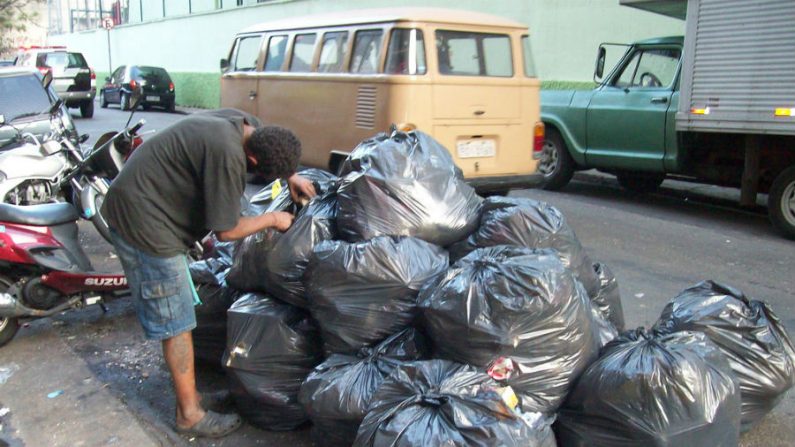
300	186
281	220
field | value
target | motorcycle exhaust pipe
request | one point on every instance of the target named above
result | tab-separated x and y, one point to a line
10	307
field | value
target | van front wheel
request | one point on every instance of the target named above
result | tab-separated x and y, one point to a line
781	202
555	164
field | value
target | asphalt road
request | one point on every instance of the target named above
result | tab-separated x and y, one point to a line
656	245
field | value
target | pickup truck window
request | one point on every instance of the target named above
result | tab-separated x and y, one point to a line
651	68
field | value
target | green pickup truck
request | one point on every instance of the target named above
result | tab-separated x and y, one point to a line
717	112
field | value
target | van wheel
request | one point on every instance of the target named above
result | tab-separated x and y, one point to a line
781	202
641	183
556	164
87	109
8	326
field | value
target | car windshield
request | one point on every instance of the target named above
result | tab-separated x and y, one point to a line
22	95
61	59
153	74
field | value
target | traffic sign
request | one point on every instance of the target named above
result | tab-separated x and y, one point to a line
107	23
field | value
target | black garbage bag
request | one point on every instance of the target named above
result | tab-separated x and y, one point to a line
209	336
529	223
749	334
275	196
608	300
273	262
271	348
436	403
215	264
361	293
517	311
405	184
337	393
646	390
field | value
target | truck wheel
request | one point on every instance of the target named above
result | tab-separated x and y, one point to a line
87	109
556	164
641	183
8	326
781	202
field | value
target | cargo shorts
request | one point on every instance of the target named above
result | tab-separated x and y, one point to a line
162	290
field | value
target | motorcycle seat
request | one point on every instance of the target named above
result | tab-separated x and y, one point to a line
38	215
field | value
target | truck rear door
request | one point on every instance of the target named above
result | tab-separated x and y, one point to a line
626	118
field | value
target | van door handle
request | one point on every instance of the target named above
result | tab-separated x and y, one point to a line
252	94
479	112
659	100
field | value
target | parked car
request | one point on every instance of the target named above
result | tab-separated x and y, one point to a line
157	87
73	79
24	106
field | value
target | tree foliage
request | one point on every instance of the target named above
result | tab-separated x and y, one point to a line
14	18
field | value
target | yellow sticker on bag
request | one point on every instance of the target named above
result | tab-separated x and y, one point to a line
508	396
276	189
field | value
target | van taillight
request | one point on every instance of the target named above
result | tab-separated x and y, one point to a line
538	138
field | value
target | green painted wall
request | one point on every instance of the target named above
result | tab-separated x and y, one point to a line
564	35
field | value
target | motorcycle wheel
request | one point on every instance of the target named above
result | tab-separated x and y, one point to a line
99	220
8	326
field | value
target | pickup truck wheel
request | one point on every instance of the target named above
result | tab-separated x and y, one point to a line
87	109
781	202
555	164
640	182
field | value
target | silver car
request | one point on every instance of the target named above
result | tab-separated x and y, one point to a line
73	79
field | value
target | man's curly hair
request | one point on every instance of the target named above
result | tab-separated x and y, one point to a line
277	151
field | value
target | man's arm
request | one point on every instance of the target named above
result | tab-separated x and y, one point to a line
278	220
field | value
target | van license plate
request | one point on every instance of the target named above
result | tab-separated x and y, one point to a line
476	148
153	98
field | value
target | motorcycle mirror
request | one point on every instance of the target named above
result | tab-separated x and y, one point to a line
47	79
135	98
56	106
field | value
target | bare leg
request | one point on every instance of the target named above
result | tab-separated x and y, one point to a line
178	352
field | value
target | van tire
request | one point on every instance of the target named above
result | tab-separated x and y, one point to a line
640	182
781	203
87	109
556	164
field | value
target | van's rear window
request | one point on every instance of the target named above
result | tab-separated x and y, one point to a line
474	54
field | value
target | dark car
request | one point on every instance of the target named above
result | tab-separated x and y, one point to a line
157	89
24	106
73	79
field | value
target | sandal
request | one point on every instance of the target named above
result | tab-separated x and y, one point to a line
212	425
216	401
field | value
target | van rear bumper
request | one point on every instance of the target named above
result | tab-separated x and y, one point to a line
503	183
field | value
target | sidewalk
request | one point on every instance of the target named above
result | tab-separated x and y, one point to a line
59	402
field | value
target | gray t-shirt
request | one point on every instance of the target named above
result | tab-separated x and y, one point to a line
182	183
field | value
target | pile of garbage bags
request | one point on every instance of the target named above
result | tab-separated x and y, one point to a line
647	389
270	349
402	309
747	332
518	310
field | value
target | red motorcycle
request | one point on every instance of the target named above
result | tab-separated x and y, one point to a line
43	269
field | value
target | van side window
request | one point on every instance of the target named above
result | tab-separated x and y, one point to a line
527	58
275	57
406	52
246	53
366	51
653	68
303	52
474	54
332	54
